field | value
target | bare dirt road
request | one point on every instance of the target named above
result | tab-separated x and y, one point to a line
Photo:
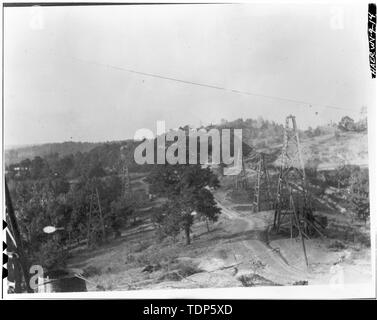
283	259
276	267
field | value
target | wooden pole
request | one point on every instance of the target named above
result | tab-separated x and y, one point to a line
89	220
299	229
101	217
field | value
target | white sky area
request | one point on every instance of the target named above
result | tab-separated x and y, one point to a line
57	86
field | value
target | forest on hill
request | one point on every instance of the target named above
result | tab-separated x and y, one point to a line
16	154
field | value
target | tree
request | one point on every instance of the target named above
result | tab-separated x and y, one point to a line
346	124
206	206
96	171
186	187
170	220
359	190
317	132
37	206
39	168
309	132
120	211
59	186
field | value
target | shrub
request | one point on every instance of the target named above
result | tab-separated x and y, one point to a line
51	255
186	269
337	245
170	276
91	271
253	280
142	246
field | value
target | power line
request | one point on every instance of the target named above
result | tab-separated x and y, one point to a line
158	76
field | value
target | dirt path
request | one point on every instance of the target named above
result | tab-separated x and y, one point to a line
276	268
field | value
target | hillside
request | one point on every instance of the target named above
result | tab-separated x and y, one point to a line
329	151
334	150
15	155
139	241
237	250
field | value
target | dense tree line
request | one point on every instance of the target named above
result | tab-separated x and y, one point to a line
256	132
355	181
62	191
100	161
58	191
15	155
54	201
347	124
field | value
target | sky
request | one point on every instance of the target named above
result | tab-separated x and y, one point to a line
67	69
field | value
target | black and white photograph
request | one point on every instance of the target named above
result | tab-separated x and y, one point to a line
189	150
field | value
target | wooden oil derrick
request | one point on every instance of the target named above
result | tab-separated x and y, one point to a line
96	223
125	175
126	182
127	192
292	172
293	205
241	178
262	189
